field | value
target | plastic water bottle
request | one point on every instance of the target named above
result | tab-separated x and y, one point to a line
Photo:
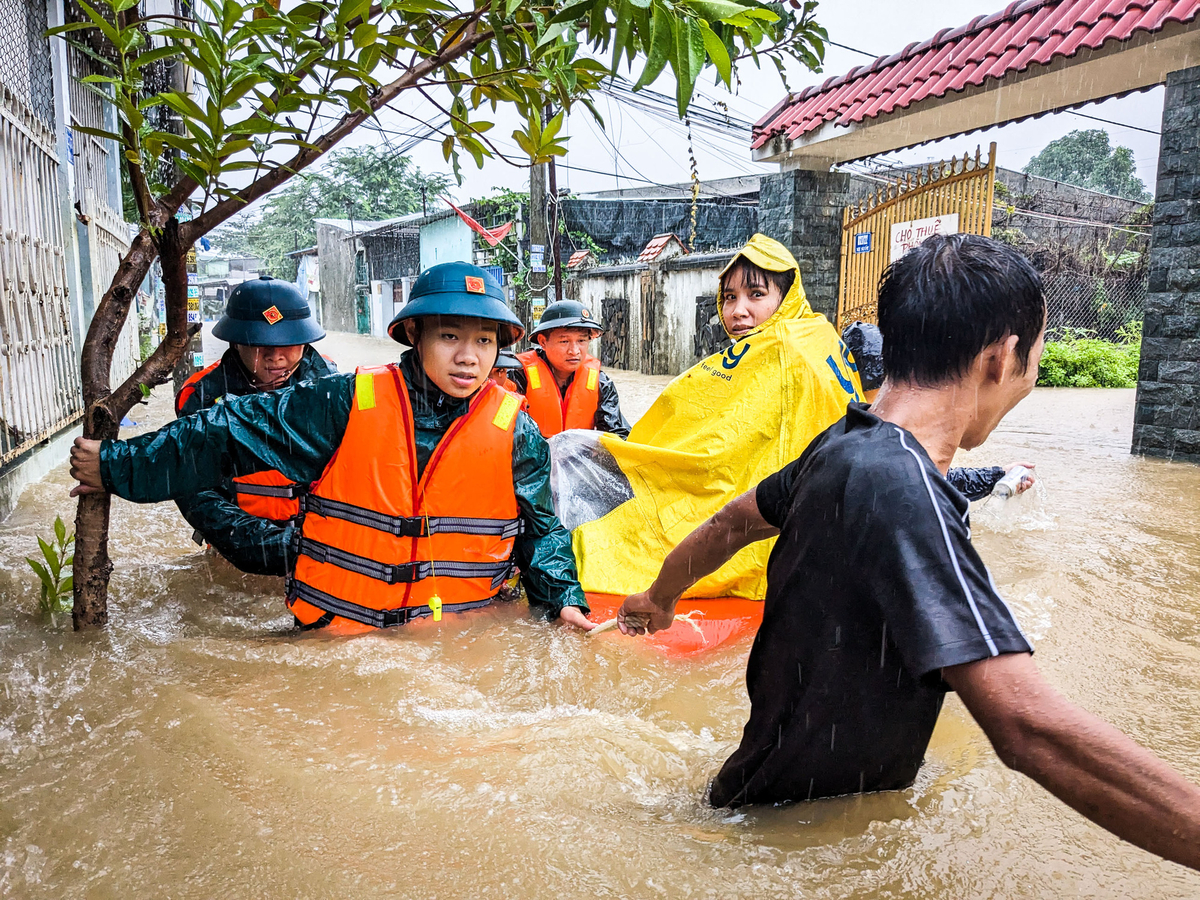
1007	486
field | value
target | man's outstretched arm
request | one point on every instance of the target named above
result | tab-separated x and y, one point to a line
1085	762
736	525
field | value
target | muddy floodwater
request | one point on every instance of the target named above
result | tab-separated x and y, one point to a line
198	747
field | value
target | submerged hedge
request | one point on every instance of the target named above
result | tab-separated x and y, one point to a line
1076	360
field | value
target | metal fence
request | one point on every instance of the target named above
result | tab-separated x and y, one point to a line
25	57
39	379
1099	306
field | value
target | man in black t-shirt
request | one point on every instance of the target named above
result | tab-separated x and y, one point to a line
877	603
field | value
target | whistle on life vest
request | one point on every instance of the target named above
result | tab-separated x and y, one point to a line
435	604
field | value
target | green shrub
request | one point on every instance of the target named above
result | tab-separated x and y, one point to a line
1076	360
57	586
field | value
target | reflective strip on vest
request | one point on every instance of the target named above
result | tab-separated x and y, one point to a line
376	536
287	492
376	618
402	573
410	526
554	412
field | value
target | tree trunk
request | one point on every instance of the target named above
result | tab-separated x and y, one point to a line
104	408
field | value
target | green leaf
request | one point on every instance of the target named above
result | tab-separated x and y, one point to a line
106	28
47	581
574	11
552	128
51	558
553	33
67	585
510	8
662	41
145	390
716	10
60	530
718	53
365	35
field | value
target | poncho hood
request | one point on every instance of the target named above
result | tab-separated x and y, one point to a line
767	253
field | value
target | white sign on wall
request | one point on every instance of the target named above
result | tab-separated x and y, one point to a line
906	235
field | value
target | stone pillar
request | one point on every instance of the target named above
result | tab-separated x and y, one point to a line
803	211
1167	415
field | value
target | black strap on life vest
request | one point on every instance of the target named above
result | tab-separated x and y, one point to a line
283	491
377	618
410	526
402	573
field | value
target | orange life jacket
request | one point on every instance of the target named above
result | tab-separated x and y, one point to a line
501	378
267	495
550	409
381	547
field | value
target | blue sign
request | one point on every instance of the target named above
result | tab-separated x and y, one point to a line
496	272
862	242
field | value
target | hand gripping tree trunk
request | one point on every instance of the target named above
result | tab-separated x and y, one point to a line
271	76
104	409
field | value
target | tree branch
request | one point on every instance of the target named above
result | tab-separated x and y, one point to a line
304	158
160	364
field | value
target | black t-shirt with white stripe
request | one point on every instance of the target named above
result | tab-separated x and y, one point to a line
872	588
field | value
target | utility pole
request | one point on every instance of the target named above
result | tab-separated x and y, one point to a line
555	243
538	236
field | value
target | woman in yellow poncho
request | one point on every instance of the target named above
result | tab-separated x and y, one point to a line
715	432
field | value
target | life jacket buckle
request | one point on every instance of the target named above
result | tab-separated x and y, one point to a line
412	526
404	573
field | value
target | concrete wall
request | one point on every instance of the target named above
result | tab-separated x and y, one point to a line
662	307
335	251
1167	416
446	240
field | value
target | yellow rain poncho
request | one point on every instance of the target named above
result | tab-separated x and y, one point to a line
714	433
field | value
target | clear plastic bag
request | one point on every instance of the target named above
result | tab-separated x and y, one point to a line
585	480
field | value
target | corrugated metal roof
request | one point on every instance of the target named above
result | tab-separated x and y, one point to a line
1027	32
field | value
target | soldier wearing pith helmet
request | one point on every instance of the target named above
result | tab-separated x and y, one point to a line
430	483
270	330
562	381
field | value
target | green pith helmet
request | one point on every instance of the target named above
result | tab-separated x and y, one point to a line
458	289
567	314
505	360
267	312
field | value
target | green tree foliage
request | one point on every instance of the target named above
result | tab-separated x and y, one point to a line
1087	159
365	183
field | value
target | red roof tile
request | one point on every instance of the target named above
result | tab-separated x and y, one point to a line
1027	32
657	245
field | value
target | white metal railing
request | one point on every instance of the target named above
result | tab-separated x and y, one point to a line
108	241
39	378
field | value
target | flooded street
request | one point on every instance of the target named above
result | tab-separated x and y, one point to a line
198	747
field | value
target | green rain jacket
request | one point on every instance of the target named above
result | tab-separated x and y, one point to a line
254	545
296	431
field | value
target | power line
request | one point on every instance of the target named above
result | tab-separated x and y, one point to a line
852	49
1111	122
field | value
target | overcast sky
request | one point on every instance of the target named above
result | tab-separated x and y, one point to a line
651	149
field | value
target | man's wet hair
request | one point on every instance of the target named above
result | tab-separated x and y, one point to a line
750	275
947	299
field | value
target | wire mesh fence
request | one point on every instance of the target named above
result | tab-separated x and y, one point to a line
25	56
1100	306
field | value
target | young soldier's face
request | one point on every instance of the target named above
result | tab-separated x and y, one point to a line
745	306
565	348
458	353
270	367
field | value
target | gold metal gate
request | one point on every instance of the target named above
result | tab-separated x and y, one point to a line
904	212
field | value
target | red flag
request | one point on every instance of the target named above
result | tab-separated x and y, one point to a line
492	235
